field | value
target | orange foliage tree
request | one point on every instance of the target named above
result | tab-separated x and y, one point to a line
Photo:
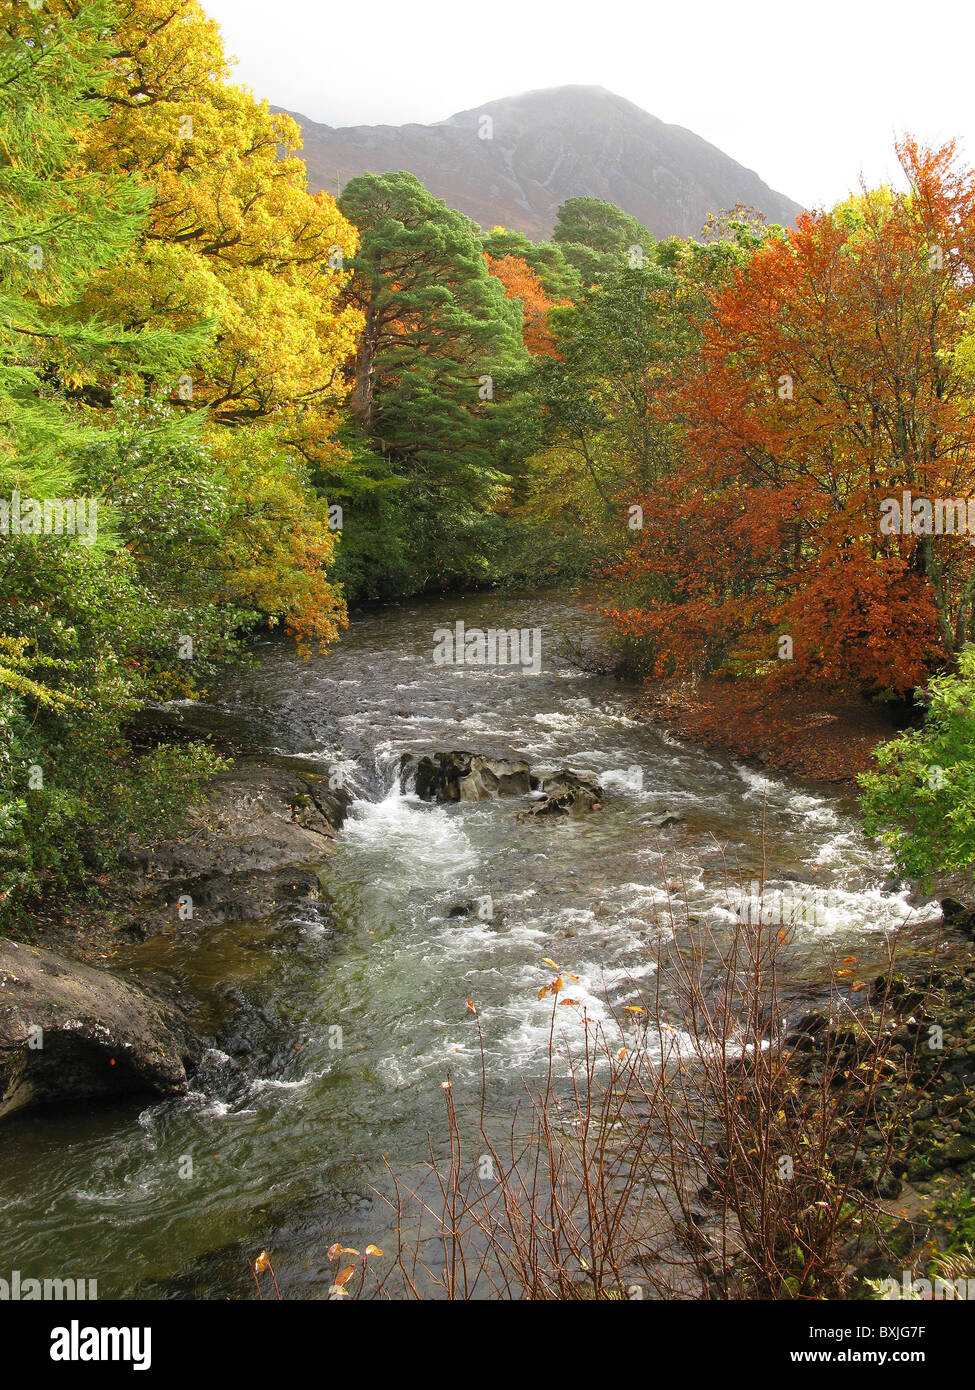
520	281
834	377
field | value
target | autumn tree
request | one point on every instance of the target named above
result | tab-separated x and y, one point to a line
234	236
558	279
609	431
832	379
62	227
232	244
522	283
74	623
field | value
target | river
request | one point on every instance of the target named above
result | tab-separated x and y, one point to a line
334	1026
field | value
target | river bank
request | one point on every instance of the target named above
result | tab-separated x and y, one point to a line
805	732
327	974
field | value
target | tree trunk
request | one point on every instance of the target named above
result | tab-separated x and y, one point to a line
362	401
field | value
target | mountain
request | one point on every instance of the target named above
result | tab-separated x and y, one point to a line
547	146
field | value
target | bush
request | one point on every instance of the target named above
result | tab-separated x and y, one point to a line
921	799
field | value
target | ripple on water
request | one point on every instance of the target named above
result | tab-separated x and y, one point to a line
277	1113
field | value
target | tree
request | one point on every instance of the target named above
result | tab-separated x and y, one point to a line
559	280
831	379
136	262
437	376
233	236
597	237
610	434
61	227
521	282
71	617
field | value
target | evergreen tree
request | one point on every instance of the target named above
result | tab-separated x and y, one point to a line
597	238
438	375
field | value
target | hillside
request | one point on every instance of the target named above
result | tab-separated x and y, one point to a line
547	146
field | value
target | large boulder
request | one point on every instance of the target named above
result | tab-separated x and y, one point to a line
471	777
258	844
567	794
68	1032
959	915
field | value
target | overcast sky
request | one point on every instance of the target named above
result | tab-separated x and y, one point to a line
808	95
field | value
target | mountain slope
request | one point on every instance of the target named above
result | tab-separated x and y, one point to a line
547	146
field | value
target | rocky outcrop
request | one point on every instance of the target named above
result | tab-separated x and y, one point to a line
460	776
567	794
256	844
470	777
68	1032
959	915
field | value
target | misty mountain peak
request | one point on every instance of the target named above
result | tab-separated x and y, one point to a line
514	160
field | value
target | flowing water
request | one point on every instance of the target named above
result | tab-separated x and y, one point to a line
334	1025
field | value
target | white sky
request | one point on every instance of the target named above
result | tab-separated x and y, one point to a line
808	95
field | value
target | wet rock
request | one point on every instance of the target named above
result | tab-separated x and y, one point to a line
256	845
664	819
481	911
566	794
460	776
959	916
68	1032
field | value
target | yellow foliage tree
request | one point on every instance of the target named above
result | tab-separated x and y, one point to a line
234	235
233	239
